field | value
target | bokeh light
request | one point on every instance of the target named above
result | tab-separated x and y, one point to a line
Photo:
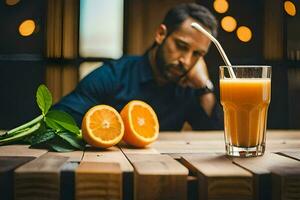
221	6
290	8
228	23
27	27
11	2
244	33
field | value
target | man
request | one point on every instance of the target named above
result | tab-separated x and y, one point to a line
170	76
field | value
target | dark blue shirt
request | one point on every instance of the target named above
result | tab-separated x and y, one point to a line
130	78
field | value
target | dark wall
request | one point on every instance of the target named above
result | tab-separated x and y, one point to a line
18	83
11	42
21	62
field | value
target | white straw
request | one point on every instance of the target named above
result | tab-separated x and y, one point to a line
219	47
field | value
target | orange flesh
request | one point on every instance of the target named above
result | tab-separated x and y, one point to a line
105	124
143	122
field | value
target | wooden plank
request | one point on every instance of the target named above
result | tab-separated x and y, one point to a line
95	180
67	173
188	147
213	141
113	155
73	156
158	177
291	154
39	179
283	134
7	166
110	155
275	172
261	176
192	136
219	135
282	145
21	150
126	149
219	178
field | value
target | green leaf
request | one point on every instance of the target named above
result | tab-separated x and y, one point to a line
59	120
72	139
42	136
59	145
28	138
43	99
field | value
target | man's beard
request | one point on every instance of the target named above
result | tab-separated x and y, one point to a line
165	68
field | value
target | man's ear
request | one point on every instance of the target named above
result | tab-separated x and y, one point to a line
160	34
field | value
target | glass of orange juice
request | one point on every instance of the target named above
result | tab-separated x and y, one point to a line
245	100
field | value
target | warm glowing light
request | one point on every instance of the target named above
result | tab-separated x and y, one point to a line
27	27
244	34
221	6
12	2
290	8
228	23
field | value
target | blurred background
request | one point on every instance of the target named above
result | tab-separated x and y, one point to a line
58	42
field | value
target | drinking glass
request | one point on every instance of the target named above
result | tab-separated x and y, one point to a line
245	99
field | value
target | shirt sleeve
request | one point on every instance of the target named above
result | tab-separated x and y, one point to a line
199	120
94	89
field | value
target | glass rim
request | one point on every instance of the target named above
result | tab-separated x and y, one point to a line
245	66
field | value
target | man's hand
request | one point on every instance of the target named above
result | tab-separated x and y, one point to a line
197	77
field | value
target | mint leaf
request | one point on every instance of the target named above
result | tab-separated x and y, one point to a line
43	99
59	120
72	139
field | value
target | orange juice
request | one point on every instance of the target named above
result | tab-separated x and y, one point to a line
245	103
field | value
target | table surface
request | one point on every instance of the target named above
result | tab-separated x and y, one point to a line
180	165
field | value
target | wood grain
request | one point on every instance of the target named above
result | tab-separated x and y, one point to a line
275	176
181	147
124	172
110	155
94	180
73	156
113	155
7	166
158	177
39	178
21	150
131	150
291	154
219	178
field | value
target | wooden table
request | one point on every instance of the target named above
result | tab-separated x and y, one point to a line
186	165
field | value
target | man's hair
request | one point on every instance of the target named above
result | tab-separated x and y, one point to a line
178	14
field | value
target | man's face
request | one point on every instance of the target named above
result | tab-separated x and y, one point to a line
179	51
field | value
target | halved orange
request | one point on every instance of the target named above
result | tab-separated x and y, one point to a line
102	126
141	124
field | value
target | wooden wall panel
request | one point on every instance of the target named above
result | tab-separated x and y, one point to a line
62	43
143	17
273	30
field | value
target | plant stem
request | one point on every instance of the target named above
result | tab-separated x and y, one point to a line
20	135
26	125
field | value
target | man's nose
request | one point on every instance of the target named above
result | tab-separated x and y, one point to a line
186	60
